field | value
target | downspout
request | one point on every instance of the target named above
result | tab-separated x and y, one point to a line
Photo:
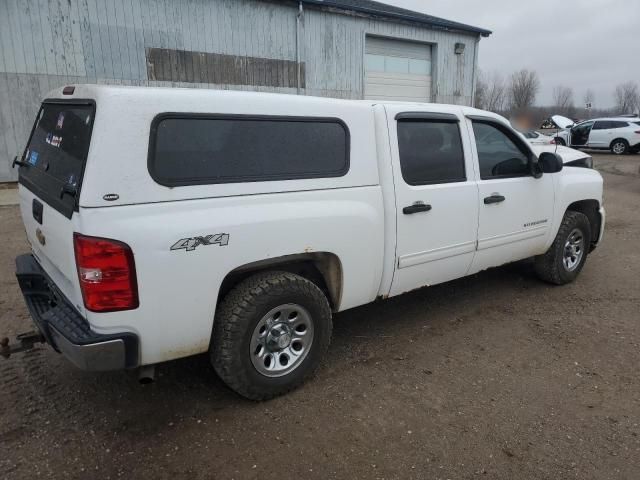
298	66
475	72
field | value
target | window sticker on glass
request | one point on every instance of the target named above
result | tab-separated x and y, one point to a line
60	121
53	140
32	157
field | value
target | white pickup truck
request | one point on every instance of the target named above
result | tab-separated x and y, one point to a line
172	222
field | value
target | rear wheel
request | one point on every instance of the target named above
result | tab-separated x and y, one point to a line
560	141
619	147
567	255
270	334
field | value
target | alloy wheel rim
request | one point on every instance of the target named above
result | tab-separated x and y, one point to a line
573	250
618	147
281	340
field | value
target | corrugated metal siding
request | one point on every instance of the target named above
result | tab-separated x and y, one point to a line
45	44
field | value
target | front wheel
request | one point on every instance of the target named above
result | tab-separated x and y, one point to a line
270	334
567	255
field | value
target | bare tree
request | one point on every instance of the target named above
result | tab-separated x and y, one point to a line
480	98
563	98
496	93
627	97
523	89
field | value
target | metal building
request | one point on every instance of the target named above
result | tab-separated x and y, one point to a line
337	48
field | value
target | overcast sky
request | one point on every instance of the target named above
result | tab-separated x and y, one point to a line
581	44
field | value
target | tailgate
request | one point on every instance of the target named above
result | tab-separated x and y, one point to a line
50	178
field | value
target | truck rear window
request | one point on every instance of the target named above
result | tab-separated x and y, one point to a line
57	152
202	149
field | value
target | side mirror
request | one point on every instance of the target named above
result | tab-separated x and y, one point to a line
550	162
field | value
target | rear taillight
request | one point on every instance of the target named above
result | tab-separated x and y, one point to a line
107	274
638	132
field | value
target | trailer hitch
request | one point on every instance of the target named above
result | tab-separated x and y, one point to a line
24	341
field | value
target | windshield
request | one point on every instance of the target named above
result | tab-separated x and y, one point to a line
56	153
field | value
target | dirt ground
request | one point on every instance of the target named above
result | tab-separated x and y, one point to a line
494	376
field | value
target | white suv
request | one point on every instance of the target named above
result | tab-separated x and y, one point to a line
619	134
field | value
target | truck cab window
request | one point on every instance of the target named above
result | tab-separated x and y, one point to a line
430	152
498	154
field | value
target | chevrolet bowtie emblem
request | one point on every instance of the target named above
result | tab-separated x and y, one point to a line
40	236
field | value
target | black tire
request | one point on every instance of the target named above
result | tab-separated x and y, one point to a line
550	267
237	318
619	146
560	141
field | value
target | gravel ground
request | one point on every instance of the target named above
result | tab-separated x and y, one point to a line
493	376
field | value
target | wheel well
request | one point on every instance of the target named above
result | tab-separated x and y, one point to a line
322	268
591	209
618	140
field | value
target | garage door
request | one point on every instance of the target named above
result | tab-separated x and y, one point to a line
397	70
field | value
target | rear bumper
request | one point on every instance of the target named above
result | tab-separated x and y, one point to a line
66	330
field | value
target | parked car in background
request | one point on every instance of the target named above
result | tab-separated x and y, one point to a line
618	134
570	156
558	121
537	138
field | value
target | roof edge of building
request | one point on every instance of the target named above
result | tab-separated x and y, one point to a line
419	17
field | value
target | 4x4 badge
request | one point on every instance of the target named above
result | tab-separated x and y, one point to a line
191	243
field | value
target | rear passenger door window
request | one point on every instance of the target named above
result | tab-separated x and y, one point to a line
615	124
500	154
430	151
191	149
